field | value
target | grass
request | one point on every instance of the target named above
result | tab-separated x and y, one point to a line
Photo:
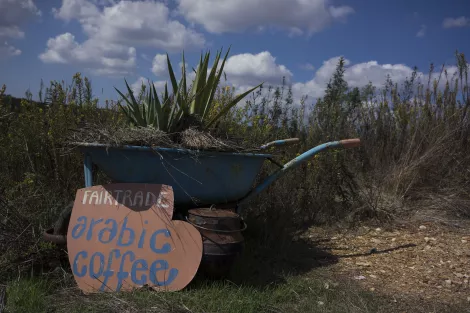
296	295
27	295
289	277
282	274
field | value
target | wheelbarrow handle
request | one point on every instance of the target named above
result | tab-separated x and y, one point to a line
281	142
294	163
350	143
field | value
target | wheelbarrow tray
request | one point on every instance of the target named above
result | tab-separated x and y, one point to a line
197	177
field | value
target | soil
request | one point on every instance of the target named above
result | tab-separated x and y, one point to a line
428	261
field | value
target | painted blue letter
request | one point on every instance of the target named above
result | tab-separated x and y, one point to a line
108	273
75	267
92	265
121	275
112	231
143	267
90	230
82	230
166	247
121	234
163	266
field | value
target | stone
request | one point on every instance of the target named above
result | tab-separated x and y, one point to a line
422	227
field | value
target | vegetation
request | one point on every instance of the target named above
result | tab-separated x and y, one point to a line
414	155
186	106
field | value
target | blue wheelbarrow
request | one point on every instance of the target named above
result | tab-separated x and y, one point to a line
198	178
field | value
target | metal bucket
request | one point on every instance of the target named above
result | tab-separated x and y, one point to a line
223	243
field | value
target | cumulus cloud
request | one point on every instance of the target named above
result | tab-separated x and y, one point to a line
160	70
422	31
13	14
122	25
101	57
461	21
307	67
137	85
159	65
357	75
341	12
295	16
252	69
6	50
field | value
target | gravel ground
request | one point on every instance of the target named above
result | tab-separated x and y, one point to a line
429	262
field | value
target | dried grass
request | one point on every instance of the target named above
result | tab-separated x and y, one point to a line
190	138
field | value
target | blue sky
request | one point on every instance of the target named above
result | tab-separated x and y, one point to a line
109	40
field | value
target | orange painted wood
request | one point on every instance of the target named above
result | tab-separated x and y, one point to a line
122	236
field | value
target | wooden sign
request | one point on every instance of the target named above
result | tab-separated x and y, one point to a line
122	236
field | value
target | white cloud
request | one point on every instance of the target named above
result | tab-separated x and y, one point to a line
252	69
137	85
422	31
294	16
461	21
159	65
341	12
14	13
120	25
101	57
6	50
356	75
307	67
160	69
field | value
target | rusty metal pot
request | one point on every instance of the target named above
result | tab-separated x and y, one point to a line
223	243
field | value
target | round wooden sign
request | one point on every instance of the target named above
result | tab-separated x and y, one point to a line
122	236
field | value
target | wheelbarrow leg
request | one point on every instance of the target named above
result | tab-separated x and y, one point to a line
87	167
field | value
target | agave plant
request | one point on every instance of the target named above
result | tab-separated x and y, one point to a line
185	105
151	111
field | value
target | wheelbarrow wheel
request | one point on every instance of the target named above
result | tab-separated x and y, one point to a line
62	223
58	233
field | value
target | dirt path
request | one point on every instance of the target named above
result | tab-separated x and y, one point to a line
429	262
